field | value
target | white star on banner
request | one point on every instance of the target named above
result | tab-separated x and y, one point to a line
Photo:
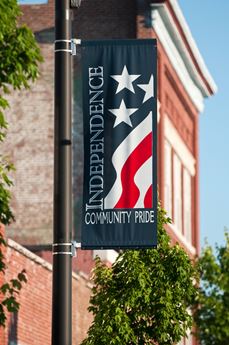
148	88
123	114
125	80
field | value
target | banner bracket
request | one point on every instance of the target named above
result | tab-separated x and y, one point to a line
75	246
66	248
68	46
74	43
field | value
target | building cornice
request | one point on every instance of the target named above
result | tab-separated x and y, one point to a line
193	49
182	51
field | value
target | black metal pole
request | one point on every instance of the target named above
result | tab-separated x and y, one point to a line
62	234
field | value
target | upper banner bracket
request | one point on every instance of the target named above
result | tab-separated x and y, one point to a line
68	46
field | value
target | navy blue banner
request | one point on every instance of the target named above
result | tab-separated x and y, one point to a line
120	144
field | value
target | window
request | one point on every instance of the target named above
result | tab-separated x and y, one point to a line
168	179
177	193
187	207
179	168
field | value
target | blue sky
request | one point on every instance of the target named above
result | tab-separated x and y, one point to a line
209	24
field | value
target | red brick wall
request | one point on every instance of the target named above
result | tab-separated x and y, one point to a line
94	19
99	19
39	17
29	145
177	105
32	325
82	262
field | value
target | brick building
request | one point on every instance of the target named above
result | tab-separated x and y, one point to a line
32	324
183	83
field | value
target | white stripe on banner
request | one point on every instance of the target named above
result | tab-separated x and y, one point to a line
143	180
120	156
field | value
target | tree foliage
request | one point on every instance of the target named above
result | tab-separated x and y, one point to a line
212	314
145	296
19	58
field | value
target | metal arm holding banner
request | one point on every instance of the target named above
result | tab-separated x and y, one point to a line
70	45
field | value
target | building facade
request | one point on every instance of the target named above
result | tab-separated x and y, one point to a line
183	83
31	325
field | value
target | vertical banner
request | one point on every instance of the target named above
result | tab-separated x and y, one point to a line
120	144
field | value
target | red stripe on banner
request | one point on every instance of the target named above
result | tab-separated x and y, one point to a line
130	192
148	200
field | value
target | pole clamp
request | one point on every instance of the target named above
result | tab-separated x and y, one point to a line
75	246
65	248
68	46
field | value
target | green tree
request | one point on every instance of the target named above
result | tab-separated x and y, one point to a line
144	298
19	58
212	313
